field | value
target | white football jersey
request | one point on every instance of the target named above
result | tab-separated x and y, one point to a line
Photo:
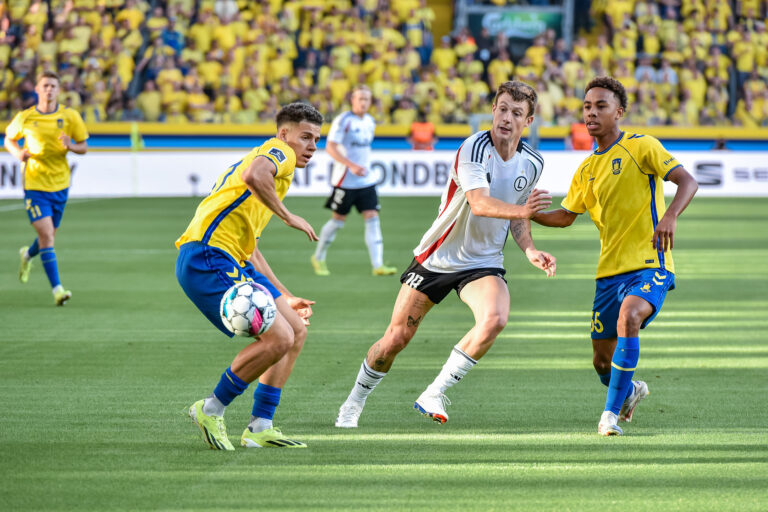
458	240
354	135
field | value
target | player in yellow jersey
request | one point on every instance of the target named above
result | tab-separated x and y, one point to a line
620	185
220	248
49	131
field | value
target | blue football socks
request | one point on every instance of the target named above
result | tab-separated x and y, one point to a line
33	249
266	398
229	387
48	257
623	366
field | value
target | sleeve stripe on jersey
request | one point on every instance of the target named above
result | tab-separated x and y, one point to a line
477	147
533	153
672	169
536	168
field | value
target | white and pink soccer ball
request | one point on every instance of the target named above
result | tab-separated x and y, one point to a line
248	309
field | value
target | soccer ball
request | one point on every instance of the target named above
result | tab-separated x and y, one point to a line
248	309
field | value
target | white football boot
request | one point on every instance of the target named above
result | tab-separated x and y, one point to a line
608	426
432	405
639	392
349	413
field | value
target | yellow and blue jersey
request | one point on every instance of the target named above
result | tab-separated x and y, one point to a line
47	169
231	218
621	188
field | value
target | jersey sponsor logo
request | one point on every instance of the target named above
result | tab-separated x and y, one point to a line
649	261
616	166
488	176
279	155
667	162
520	183
414	280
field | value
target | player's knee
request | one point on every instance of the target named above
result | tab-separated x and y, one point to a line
299	336
631	319
493	324
602	364
279	339
397	339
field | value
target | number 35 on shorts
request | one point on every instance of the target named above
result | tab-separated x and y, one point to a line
597	325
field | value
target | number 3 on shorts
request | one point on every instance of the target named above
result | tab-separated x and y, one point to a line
597	325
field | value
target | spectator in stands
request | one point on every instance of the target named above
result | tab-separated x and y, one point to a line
150	102
421	134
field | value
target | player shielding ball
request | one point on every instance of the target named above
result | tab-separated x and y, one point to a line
490	193
219	248
620	185
49	131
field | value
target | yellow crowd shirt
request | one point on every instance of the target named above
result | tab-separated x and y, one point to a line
621	188
231	218
47	169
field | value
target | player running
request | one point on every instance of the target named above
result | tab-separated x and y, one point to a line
490	193
349	144
219	248
620	185
49	131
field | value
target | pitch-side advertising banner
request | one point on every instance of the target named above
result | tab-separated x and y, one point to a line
400	173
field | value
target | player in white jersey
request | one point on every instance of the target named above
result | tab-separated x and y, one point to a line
349	144
490	193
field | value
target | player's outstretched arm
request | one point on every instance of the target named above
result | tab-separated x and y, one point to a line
483	205
664	234
560	218
521	232
260	179
302	306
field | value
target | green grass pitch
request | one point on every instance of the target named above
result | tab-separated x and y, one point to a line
94	394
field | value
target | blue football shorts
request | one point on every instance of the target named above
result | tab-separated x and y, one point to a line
205	273
41	204
649	284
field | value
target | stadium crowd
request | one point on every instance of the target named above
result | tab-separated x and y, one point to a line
682	61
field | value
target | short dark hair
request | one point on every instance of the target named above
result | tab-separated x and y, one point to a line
519	92
48	74
298	112
613	85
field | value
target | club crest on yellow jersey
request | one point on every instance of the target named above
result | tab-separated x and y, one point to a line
616	166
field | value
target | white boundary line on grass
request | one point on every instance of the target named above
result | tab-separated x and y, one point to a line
20	205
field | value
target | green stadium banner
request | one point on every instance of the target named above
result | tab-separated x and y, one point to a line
516	24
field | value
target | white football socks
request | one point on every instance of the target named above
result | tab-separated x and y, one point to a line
259	424
367	379
327	235
213	406
454	369
374	241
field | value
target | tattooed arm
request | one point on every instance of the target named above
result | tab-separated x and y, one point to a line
521	232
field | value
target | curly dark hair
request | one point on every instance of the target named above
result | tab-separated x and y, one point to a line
613	85
298	112
519	92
